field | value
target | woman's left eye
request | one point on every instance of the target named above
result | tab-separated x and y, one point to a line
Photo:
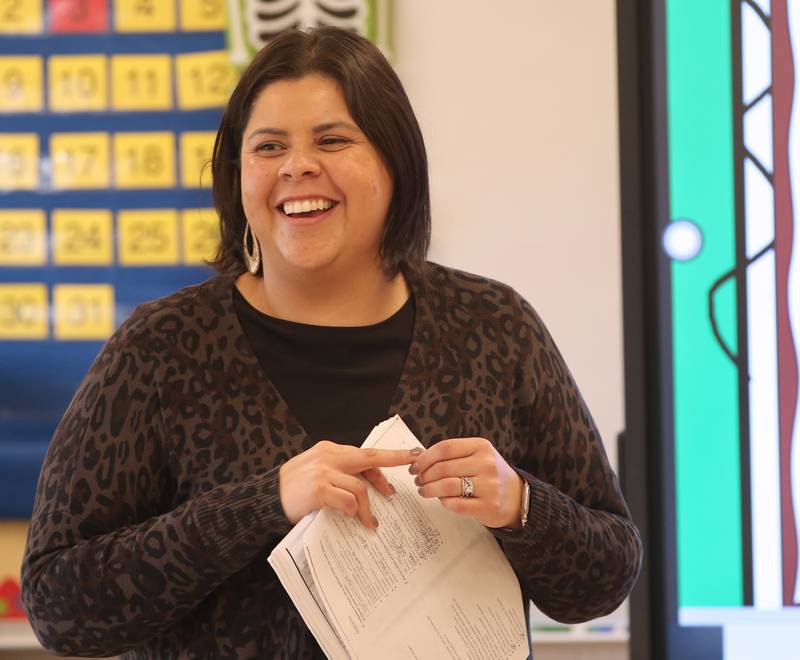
333	141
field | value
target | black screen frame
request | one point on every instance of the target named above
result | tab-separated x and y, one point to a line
646	446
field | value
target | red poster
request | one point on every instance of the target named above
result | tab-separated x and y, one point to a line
78	15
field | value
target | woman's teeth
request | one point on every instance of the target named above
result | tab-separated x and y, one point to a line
306	205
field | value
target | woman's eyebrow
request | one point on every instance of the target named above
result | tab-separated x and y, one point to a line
268	131
319	128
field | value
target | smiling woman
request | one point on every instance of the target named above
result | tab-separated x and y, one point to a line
216	418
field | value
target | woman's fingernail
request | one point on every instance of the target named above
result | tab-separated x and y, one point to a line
419	490
392	489
374	521
413	469
416	451
416	481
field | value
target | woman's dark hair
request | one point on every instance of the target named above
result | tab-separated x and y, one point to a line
378	104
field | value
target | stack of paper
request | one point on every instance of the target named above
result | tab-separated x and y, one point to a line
427	583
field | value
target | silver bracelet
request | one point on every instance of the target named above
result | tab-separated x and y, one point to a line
525	504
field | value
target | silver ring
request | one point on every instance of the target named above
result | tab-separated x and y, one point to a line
466	487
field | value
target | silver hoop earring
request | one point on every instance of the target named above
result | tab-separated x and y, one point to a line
252	257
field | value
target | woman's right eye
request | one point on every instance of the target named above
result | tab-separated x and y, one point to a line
268	147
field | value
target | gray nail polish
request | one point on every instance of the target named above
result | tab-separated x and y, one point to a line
413	468
374	521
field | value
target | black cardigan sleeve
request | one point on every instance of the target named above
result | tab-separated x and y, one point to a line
580	553
109	563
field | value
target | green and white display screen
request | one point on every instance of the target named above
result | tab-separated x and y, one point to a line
731	251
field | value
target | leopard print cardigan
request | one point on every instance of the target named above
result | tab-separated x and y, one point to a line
158	503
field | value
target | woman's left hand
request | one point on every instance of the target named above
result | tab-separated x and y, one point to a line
497	488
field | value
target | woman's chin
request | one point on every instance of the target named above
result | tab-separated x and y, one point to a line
315	262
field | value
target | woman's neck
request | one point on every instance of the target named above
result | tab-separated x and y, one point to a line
317	298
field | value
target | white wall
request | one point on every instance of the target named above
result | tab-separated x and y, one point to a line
517	102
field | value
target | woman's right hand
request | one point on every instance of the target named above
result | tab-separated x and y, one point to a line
328	475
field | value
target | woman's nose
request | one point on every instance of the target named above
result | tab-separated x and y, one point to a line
299	164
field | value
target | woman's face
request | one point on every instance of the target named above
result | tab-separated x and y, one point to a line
314	189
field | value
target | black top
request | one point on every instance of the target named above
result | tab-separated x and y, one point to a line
338	381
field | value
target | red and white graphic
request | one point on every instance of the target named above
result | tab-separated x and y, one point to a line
771	139
785	22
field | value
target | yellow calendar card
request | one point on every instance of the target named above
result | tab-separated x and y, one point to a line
21	16
19	161
205	80
196	148
77	83
13	537
148	237
144	15
198	15
144	160
82	237
21	83
23	237
80	160
141	82
23	311
83	311
200	236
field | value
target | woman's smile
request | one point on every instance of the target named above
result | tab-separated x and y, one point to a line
306	211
